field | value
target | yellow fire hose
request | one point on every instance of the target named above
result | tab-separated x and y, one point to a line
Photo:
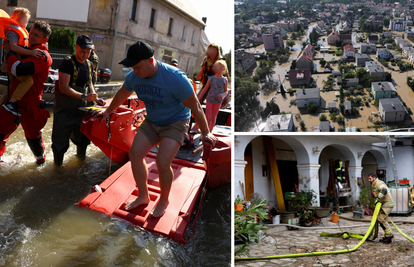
368	234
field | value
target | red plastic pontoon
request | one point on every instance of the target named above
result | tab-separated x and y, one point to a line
191	179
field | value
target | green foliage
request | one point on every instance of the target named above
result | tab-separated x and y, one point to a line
364	77
323	117
302	125
388	76
340	120
246	227
303	203
358	129
332	116
322	62
365	199
293	64
409	110
313	36
63	38
410	83
247	106
271	108
312	108
386	22
341	129
290	43
355	111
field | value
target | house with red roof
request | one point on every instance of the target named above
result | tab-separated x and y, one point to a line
310	49
349	51
304	61
299	77
334	38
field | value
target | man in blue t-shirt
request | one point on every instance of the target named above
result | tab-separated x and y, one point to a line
169	99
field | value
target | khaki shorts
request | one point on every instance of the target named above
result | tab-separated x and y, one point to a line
175	130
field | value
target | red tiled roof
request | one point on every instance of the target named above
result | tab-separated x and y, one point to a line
349	48
310	47
345	36
295	75
306	56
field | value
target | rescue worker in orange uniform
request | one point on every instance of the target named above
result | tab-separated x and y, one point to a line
19	44
382	194
33	114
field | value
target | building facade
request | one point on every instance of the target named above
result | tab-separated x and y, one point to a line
391	110
272	41
305	161
397	25
172	28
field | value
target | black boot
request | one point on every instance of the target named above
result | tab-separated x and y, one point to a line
81	151
38	149
387	240
58	159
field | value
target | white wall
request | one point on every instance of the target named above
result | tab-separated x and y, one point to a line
73	10
404	159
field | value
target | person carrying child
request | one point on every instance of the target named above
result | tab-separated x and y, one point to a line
218	90
19	44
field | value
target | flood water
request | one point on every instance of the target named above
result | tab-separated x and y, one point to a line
40	225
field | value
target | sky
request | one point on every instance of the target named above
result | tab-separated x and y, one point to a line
220	21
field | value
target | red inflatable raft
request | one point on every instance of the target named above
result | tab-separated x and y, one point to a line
191	179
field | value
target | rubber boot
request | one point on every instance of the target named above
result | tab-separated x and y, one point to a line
38	149
58	159
81	151
387	240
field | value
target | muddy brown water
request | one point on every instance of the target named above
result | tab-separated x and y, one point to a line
41	226
367	115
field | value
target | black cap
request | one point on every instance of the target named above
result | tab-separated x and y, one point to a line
136	53
84	41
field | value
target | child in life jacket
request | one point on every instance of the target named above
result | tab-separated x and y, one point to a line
19	44
218	90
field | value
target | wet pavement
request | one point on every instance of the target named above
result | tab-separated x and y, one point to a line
279	241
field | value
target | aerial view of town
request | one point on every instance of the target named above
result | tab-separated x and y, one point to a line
324	66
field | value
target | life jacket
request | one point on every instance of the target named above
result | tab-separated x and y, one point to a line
23	35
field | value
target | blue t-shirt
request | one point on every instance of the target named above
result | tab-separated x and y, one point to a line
162	94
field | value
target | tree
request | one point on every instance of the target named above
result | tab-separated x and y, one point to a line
388	76
313	36
245	17
290	43
322	62
302	125
293	64
312	108
355	111
323	117
332	116
340	120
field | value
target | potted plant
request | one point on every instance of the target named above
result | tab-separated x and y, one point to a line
303	204
365	199
247	224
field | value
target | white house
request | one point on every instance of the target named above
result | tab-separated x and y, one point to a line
391	110
304	160
383	53
349	51
280	123
306	96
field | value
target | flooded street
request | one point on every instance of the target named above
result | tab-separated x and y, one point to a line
368	114
40	225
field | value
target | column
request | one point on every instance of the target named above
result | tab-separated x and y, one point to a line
354	173
309	179
239	166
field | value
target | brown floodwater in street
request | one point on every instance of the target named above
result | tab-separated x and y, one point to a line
41	226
